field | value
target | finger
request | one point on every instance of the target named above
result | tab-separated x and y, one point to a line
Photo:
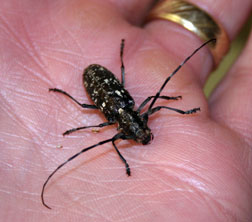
134	11
231	101
169	34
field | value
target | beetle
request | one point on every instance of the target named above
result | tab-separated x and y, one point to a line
117	105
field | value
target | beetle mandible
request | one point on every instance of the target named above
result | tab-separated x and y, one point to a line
115	102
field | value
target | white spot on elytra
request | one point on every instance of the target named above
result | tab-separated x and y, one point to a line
118	93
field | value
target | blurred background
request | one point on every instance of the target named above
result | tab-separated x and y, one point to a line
234	51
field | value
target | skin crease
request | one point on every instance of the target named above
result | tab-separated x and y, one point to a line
198	167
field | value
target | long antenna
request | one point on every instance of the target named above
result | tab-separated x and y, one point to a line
175	71
117	136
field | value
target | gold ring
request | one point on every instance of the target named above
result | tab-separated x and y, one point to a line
195	20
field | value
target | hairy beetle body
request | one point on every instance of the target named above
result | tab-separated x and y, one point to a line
115	102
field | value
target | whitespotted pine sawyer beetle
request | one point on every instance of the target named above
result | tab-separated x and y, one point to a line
115	102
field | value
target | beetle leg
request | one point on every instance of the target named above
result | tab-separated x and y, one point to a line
122	158
190	111
83	105
122	65
160	97
85	127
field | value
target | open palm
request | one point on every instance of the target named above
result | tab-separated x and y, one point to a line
198	167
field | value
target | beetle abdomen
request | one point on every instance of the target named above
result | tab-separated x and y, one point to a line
105	90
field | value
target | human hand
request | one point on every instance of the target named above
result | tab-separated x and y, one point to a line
197	168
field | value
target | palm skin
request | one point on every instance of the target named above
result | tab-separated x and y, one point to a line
198	167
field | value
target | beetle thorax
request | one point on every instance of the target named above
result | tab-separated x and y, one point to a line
133	125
